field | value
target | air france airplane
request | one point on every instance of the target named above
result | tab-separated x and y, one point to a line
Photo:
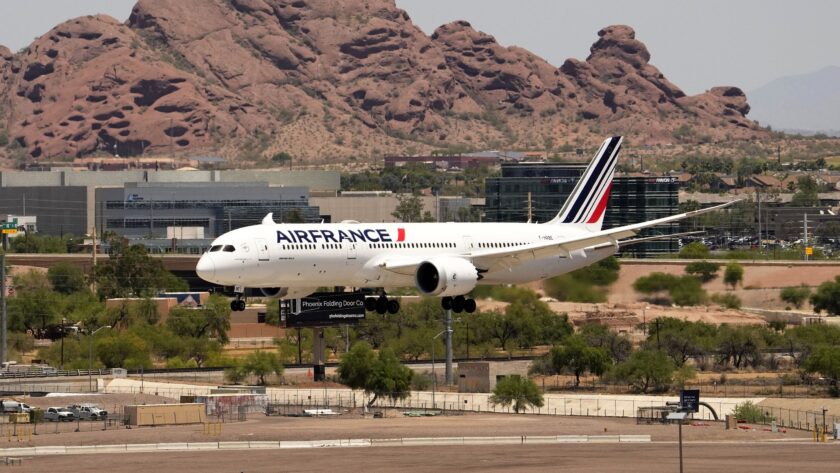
446	260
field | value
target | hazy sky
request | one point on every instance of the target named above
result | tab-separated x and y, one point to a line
696	44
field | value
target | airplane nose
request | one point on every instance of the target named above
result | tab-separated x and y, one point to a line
205	269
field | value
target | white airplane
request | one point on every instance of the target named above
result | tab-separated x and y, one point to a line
440	259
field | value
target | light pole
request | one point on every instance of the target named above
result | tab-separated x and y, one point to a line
90	356
434	374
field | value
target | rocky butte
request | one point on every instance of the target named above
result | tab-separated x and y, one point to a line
326	80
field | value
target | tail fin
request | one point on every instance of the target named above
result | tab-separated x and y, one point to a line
587	202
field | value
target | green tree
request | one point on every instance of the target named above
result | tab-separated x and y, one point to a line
261	364
795	296
575	356
377	374
827	297
410	209
705	271
130	271
521	393
826	361
646	369
681	340
733	274
601	336
807	193
211	320
694	250
34	243
67	278
123	350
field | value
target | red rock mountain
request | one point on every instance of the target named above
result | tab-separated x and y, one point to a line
325	81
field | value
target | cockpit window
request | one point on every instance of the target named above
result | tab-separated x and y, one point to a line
215	248
229	248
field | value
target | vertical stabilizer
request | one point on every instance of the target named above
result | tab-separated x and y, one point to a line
587	203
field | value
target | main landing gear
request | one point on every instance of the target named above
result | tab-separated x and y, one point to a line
382	304
238	304
458	304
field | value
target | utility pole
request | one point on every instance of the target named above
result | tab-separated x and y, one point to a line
805	239
93	262
448	371
530	209
3	302
758	201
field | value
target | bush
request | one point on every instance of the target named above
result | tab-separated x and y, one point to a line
730	301
687	292
705	271
827	297
795	296
695	250
734	274
519	392
751	413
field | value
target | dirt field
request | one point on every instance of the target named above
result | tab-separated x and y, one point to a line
650	458
260	427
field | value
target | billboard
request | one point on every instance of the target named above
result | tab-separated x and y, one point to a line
324	309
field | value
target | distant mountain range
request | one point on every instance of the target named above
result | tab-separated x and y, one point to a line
805	103
331	81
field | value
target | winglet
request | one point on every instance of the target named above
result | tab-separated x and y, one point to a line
268	219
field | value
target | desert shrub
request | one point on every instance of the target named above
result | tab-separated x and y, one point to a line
751	413
795	296
730	301
705	271
695	250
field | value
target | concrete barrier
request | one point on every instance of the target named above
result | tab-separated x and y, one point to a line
572	438
233	445
203	446
540	439
604	438
172	446
634	438
385	442
140	447
264	444
120	448
51	450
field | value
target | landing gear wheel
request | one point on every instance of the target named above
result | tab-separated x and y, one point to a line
234	306
381	305
393	306
458	304
469	306
241	305
446	303
370	304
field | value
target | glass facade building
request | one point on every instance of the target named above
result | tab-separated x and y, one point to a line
632	200
150	213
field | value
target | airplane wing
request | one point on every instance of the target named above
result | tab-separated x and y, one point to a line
493	259
496	258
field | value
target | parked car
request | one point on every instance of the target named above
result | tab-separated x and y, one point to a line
88	411
58	414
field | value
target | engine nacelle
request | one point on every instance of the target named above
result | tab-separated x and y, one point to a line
286	292
274	292
446	277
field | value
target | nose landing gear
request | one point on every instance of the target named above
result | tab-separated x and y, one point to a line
458	304
238	304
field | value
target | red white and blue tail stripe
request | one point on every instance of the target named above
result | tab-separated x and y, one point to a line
588	201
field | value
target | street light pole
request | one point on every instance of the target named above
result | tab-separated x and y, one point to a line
90	356
434	373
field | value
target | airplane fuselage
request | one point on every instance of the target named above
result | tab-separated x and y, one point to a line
353	254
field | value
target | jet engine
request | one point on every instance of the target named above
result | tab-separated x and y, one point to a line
286	292
446	277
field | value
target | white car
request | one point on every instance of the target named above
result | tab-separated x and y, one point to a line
88	412
58	414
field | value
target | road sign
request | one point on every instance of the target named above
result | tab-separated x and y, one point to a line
324	309
809	250
690	400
